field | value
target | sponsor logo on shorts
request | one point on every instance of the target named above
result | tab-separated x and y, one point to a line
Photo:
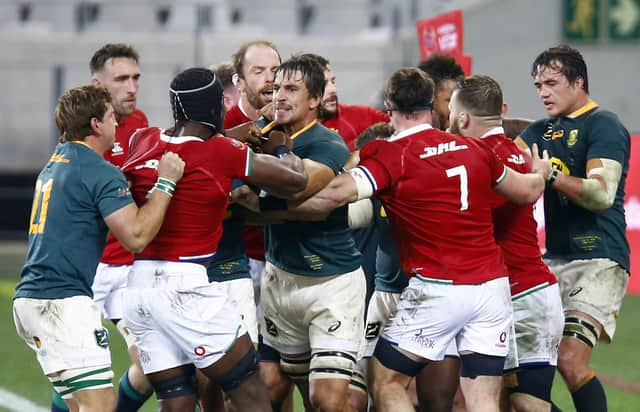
102	337
145	357
37	342
575	291
423	340
199	350
503	337
271	327
334	326
373	330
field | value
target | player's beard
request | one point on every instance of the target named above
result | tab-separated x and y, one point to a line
256	99
454	129
328	113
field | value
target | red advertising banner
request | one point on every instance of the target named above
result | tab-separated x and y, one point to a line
444	34
441	34
632	213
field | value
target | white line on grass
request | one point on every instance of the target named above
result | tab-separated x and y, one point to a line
17	403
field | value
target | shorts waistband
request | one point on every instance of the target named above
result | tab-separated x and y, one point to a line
164	274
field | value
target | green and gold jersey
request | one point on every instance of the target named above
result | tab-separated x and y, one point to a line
573	232
315	248
230	261
74	192
389	275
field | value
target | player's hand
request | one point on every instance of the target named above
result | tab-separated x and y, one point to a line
246	197
171	166
540	165
247	132
276	138
268	111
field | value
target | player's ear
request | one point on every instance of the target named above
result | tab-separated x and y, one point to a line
95	81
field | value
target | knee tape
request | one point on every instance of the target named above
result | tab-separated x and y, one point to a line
72	380
184	385
581	328
358	382
332	365
295	368
243	369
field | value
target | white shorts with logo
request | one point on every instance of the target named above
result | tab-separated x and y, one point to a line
65	333
177	316
108	289
539	321
302	313
240	292
430	314
592	286
381	306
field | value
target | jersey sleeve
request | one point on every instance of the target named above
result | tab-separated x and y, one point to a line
235	155
331	153
376	116
110	190
379	161
608	139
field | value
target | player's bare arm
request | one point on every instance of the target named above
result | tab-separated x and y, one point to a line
340	191
135	227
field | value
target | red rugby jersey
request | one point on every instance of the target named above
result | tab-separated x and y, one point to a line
193	224
253	235
436	187
352	120
514	226
114	253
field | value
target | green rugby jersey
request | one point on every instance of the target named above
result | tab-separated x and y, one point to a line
573	232
230	261
389	274
315	248
74	192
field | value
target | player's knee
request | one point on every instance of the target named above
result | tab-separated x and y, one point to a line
73	380
391	358
246	367
332	364
295	367
184	385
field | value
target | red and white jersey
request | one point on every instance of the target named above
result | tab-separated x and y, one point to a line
114	253
514	226
193	224
234	117
436	187
253	235
352	120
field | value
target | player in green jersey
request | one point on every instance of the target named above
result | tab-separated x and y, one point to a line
79	197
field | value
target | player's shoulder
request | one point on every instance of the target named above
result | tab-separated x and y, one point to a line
603	116
362	110
234	117
139	118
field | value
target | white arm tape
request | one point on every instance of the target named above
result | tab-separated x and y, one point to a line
594	197
364	182
360	214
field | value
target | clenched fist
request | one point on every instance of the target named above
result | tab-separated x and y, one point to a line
171	167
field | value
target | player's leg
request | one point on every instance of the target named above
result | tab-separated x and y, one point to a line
210	395
358	396
236	372
437	384
336	313
109	293
483	342
72	347
279	385
592	292
539	321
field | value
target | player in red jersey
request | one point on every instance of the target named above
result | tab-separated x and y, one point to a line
476	110
179	319
349	121
115	67
226	74
435	188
